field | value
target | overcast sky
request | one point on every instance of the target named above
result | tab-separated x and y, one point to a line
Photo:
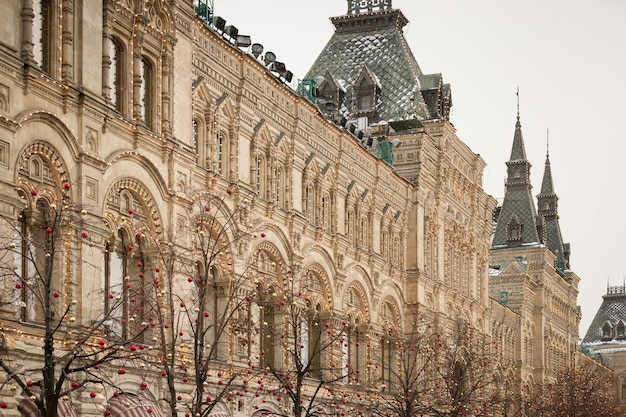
568	58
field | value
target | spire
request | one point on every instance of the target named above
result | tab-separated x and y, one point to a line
547	187
547	202
517	221
518	152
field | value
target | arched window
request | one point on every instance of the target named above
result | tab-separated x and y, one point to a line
279	186
146	92
42	34
309	201
260	175
221	153
314	335
124	282
205	292
363	233
350	225
116	74
387	348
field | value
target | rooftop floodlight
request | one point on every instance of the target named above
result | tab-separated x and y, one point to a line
269	58
219	23
243	41
360	134
257	49
330	107
352	128
278	67
288	76
231	31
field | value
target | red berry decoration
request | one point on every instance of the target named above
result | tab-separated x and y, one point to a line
189	279
74	384
85	235
29	383
121	371
131	211
157	269
262	234
18	285
92	394
229	191
48	230
33	192
67	185
138	235
3	405
55	294
143	385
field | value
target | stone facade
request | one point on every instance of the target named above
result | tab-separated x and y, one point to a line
136	103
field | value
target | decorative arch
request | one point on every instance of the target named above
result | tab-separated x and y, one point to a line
143	196
47	152
389	312
325	289
273	255
25	118
146	166
360	304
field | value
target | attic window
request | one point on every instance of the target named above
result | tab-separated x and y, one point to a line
607	331
620	330
365	95
515	232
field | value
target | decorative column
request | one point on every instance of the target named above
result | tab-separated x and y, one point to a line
28	16
67	39
166	85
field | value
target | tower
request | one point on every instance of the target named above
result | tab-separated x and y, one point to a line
366	72
529	270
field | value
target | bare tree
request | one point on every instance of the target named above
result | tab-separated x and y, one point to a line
41	250
584	388
436	373
198	296
303	365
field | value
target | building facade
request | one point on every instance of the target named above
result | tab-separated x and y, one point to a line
604	340
530	270
358	179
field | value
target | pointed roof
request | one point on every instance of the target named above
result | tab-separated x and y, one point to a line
370	35
547	185
547	201
610	313
518	151
517	221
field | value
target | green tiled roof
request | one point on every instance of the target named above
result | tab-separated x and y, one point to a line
518	205
374	41
612	310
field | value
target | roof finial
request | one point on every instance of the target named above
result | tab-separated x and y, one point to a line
517	94
547	143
